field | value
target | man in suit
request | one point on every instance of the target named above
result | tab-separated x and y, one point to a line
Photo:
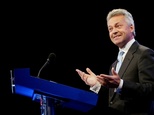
131	88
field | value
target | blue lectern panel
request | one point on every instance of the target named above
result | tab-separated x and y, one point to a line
31	86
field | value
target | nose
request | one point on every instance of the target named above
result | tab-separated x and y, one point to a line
114	31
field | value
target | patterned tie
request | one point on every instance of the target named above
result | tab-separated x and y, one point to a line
120	56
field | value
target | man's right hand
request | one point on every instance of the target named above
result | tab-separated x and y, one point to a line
89	78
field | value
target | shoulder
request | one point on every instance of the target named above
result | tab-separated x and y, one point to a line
145	50
141	48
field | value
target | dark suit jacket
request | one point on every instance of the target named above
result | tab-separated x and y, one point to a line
137	71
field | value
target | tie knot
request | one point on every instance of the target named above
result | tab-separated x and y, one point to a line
121	53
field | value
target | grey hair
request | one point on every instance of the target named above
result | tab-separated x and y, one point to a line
128	16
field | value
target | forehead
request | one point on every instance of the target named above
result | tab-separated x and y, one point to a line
116	19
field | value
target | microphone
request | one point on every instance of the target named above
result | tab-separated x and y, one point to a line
51	58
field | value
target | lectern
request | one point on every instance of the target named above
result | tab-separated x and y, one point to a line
50	93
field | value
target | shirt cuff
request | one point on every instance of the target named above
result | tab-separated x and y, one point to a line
96	87
120	86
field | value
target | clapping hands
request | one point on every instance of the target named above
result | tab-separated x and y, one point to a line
90	78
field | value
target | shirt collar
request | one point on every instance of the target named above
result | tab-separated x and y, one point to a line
127	46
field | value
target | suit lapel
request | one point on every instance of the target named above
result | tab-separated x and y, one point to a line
127	60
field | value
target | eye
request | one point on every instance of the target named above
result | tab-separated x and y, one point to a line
110	29
119	26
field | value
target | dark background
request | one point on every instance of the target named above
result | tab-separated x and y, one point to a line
75	31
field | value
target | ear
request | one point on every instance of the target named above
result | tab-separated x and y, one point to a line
132	28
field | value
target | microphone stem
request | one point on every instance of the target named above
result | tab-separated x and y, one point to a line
38	75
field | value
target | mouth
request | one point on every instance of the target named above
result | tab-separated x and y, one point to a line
116	37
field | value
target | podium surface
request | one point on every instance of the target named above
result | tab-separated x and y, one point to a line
34	88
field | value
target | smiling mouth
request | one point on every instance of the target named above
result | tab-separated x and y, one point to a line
117	36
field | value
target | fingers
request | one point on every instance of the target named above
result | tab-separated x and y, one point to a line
89	78
81	74
104	76
102	81
113	71
90	72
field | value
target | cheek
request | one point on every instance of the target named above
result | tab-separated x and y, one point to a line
110	35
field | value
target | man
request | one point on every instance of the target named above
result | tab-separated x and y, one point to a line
131	88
